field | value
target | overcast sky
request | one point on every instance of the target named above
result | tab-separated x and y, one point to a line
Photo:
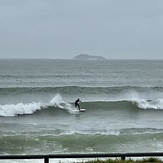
115	29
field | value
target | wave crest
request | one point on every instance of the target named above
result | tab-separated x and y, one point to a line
12	110
57	103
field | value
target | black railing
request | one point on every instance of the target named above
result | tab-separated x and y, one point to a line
94	155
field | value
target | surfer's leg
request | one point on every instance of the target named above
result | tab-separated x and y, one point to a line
79	107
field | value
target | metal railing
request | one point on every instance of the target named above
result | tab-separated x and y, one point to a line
94	155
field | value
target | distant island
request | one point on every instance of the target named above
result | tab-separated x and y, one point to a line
88	57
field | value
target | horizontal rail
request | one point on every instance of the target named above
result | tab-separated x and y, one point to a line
93	155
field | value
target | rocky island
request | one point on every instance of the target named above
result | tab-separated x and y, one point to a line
88	57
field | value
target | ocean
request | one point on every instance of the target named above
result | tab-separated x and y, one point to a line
123	101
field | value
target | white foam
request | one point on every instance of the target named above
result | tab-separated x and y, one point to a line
144	104
11	110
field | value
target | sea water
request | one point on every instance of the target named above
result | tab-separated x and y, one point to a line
123	101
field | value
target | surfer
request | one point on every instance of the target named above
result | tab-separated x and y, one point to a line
77	103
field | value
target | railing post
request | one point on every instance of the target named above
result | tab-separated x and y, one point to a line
122	158
46	160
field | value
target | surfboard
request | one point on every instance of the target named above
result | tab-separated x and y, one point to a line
82	110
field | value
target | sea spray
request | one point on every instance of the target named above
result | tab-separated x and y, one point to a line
141	102
156	104
58	101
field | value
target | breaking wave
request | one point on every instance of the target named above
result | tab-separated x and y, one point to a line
57	103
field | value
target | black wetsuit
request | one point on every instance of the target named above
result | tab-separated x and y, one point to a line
77	103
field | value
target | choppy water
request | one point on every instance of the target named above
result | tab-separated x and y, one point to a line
123	102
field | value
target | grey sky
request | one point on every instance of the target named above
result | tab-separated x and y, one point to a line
115	29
